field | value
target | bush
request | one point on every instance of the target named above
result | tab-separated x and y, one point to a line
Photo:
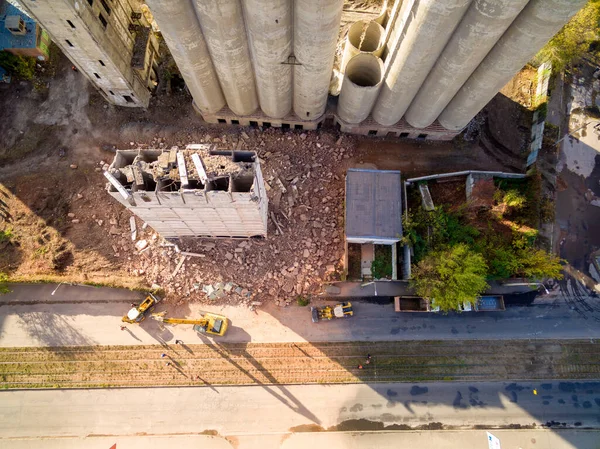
514	199
3	281
381	267
6	235
302	301
574	39
19	66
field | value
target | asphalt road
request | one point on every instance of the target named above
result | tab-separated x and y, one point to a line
41	319
270	413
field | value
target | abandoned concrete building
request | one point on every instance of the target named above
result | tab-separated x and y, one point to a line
422	69
109	41
419	69
195	192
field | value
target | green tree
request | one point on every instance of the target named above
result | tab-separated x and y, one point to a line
20	66
574	39
451	277
538	264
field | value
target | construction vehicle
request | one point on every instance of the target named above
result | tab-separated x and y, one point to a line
489	303
209	323
138	314
342	310
414	304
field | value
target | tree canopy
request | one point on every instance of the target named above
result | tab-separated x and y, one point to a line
574	39
451	277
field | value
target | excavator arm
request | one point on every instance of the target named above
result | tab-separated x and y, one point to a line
183	321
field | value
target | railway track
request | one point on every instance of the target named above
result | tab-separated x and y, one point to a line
250	364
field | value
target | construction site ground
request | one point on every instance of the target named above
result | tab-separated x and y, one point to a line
63	226
297	363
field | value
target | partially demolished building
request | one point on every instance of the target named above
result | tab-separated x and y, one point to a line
197	192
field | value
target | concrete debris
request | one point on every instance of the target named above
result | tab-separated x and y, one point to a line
304	248
71	215
73	166
221	290
141	244
133	228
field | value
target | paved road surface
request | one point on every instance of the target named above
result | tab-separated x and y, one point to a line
270	413
574	314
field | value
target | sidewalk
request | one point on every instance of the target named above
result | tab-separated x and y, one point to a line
66	294
401	288
441	439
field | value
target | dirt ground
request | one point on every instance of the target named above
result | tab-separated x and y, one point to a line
61	225
300	363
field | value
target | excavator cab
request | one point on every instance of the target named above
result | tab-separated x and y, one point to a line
212	324
138	314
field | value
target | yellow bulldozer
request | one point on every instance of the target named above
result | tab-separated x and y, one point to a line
138	314
342	310
209	323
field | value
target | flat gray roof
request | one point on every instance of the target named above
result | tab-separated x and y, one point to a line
373	203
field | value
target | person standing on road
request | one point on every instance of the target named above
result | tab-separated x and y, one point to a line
178	342
168	364
368	358
123	328
162	356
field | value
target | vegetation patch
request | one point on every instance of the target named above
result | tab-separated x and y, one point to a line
458	247
578	37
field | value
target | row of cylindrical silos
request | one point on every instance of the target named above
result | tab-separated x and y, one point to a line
276	54
451	58
445	59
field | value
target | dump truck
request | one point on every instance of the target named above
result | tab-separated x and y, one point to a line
138	313
342	310
487	303
209	323
413	304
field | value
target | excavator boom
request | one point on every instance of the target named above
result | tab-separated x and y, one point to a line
183	321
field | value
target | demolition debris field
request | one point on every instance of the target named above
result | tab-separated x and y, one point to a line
302	363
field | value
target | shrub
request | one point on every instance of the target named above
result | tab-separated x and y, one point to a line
302	301
3	284
19	66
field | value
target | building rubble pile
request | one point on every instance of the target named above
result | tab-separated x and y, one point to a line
305	245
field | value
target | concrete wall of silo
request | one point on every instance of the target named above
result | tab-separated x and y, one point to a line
431	25
316	28
362	81
222	24
363	37
481	27
269	26
532	28
181	30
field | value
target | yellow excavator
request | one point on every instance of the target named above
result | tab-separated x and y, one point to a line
342	310
138	314
209	323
